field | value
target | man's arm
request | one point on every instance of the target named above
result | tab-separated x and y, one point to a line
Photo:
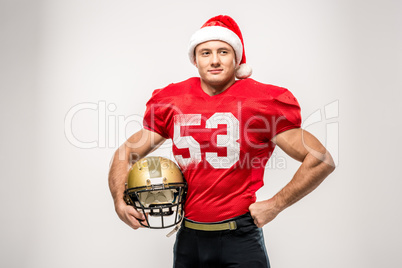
316	165
136	147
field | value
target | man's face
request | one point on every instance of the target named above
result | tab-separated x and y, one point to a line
216	63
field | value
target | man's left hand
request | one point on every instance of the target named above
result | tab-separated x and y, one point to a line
263	212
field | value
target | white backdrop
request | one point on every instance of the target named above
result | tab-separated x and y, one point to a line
107	56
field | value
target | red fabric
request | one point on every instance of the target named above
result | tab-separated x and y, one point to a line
260	111
229	23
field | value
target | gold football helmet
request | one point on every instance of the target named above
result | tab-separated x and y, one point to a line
156	186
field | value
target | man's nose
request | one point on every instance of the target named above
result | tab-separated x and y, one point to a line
215	59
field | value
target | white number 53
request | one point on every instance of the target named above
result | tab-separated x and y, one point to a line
228	140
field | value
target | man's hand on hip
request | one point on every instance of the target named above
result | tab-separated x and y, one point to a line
263	212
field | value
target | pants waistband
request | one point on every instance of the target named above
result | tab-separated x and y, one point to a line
230	224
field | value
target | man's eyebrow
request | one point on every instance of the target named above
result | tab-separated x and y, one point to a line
220	48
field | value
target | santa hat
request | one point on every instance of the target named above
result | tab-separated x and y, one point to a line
222	28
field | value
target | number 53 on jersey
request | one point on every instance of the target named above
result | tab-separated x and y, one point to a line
228	140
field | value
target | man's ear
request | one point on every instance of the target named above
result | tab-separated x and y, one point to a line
195	58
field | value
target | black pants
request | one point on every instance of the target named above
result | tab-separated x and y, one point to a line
242	248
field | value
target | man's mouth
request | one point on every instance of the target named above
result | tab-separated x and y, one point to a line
215	71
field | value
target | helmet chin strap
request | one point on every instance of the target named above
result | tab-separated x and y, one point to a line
175	229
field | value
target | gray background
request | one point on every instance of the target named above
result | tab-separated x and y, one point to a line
56	210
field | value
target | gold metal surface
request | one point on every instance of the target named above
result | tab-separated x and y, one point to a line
146	169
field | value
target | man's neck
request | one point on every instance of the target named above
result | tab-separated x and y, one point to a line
213	90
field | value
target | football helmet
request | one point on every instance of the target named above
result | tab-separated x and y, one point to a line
156	186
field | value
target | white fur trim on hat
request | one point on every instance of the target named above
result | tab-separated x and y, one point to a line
244	71
215	33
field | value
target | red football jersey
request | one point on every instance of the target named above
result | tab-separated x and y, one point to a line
223	142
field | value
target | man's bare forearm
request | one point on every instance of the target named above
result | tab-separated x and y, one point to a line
310	174
117	176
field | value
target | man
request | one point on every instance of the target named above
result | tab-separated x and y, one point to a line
224	131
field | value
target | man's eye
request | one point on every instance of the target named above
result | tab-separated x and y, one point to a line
224	52
205	53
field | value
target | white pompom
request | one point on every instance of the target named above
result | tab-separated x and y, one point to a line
244	71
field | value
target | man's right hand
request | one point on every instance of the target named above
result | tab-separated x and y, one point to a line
130	215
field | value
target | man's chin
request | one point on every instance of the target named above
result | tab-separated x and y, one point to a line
217	80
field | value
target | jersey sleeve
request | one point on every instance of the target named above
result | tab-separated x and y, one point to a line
155	115
288	112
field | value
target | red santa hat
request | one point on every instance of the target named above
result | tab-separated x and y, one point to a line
222	28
